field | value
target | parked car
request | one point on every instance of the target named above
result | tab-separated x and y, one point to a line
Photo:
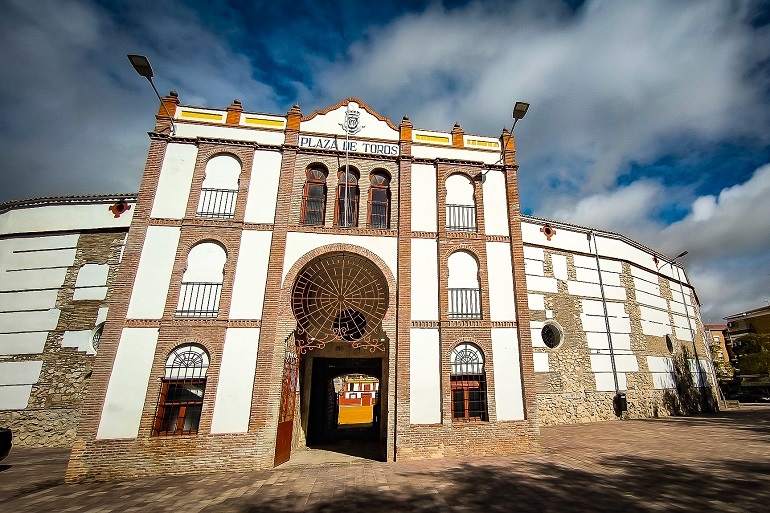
6	441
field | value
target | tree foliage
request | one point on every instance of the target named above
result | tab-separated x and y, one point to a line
753	354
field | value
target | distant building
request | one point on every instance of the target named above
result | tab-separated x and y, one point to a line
755	321
358	389
270	255
721	350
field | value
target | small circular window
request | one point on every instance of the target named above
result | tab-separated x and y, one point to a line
552	335
669	344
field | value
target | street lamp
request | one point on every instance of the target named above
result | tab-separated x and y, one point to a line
519	111
142	66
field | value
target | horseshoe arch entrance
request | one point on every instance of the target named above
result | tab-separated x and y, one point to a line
339	300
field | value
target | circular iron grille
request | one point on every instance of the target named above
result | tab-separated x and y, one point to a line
340	296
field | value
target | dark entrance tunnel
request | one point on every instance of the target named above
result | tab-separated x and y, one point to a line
324	429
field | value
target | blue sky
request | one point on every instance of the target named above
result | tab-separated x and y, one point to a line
651	118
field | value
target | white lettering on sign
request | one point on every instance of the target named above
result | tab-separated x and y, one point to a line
330	143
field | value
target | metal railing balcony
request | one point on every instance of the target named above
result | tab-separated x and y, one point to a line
461	218
199	299
464	304
217	203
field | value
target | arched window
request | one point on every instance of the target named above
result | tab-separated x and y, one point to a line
314	197
460	204
202	281
220	188
469	384
379	200
181	392
463	285
346	213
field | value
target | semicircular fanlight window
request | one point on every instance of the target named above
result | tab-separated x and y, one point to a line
339	296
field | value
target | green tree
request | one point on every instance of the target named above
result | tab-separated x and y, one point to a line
724	370
753	354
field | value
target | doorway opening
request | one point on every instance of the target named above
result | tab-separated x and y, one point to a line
345	407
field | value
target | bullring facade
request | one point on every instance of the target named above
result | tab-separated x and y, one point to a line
268	255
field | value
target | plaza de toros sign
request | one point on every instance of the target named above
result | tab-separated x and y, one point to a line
340	144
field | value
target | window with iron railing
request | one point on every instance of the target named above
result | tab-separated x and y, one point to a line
217	203
461	218
469	384
199	299
464	303
180	401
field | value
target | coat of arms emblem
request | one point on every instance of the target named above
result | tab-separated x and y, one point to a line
352	123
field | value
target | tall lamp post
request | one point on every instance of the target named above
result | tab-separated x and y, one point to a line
142	66
519	111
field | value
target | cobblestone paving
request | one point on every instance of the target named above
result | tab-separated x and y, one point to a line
704	463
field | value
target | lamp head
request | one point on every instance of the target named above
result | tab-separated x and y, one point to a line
680	255
520	110
141	65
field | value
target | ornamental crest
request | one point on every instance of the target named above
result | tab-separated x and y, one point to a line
352	121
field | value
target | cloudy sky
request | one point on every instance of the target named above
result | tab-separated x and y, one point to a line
651	118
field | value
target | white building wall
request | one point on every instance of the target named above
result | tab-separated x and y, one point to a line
229	133
127	388
54	218
502	305
251	275
299	244
495	204
424	286
424	377
424	198
176	175
433	152
236	381
263	187
332	122
509	398
153	275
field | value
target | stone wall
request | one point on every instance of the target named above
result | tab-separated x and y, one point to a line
567	391
53	411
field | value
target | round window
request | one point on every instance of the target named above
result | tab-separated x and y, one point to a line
552	335
669	344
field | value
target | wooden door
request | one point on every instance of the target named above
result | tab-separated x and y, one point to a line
289	390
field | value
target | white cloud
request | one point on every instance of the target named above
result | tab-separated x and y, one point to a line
727	236
620	81
622	209
73	113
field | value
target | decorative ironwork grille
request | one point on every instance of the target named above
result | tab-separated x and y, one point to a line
97	336
340	296
181	395
464	303
461	218
469	386
199	299
217	203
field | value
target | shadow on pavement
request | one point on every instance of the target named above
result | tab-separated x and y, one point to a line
618	484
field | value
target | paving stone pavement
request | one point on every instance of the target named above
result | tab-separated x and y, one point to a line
715	462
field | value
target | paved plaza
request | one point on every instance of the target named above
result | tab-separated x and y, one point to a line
715	462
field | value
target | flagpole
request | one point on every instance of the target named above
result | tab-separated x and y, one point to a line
347	156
